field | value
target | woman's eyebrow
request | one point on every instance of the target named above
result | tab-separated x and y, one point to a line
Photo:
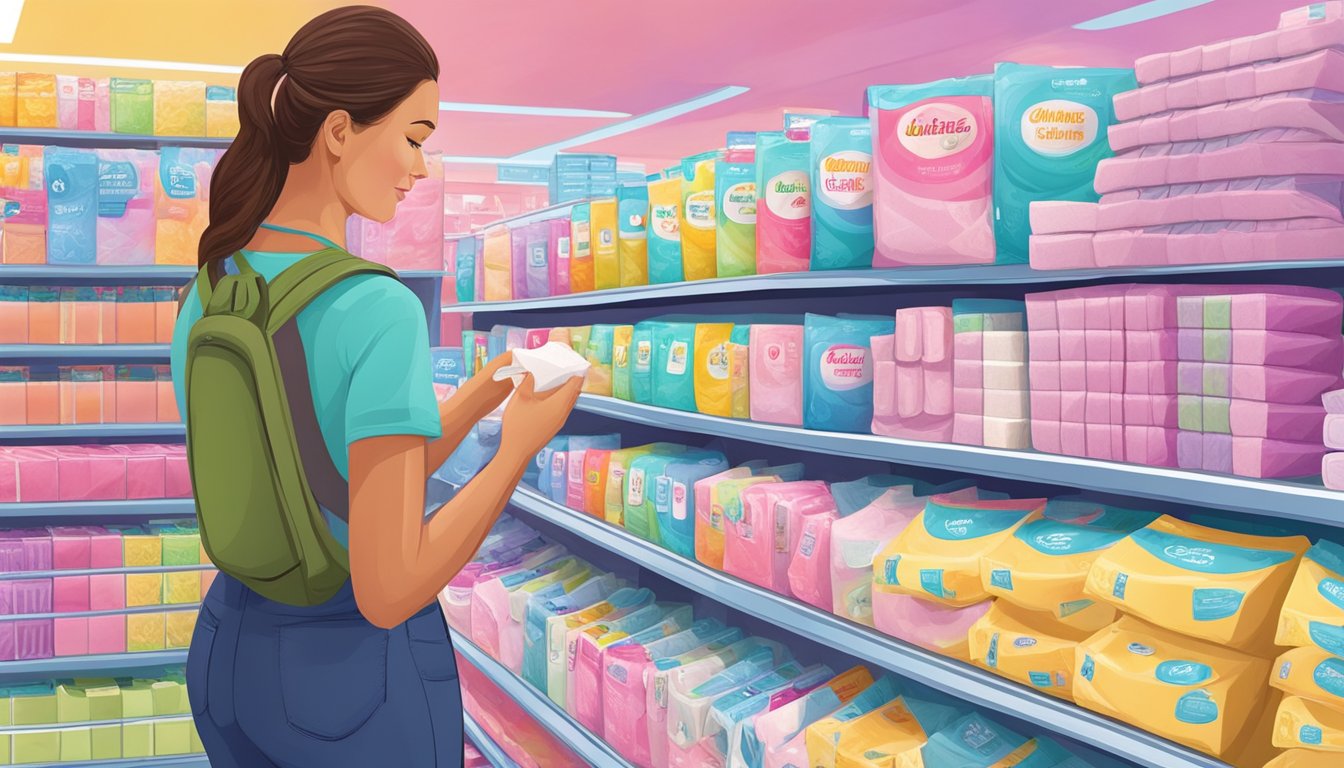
430	123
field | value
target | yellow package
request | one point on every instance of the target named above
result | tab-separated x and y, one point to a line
9	104
182	203
699	257
580	248
1215	585
1031	648
1043	566
1304	758
596	462
178	627
598	379
1311	674
35	100
877	737
938	555
618	484
606	251
632	234
560	335
1196	693
179	108
621	385
1304	723
713	369
497	260
578	338
1313	611
739	357
146	631
1255	746
221	112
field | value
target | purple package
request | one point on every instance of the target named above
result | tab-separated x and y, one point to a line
1289	350
1155	166
1333	401
536	241
1305	111
518	243
558	261
1216	453
1297	423
1190	450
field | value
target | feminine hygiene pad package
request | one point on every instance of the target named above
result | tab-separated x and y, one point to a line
842	198
664	241
632	210
126	206
1313	611
699	258
932	147
784	208
838	380
735	192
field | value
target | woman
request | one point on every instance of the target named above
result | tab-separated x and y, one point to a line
334	127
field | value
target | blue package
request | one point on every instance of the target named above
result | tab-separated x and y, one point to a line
72	205
472	454
538	472
1050	131
466	269
673	365
842	193
838	380
670	482
449	366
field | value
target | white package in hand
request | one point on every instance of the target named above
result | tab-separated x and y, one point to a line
551	365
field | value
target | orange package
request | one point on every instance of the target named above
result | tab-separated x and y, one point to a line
137	388
165	396
596	462
83	395
44	315
13	395
135	315
13	314
181	203
81	315
107	314
35	100
43	398
9	91
25	199
165	313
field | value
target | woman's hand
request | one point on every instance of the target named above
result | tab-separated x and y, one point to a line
532	418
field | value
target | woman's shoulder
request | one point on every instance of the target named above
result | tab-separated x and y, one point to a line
372	294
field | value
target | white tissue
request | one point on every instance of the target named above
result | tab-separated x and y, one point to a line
551	365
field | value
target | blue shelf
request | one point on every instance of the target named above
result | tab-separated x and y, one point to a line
123	570
485	744
1273	498
90	431
92	273
585	743
176	761
1010	274
109	352
952	677
96	139
109	509
89	666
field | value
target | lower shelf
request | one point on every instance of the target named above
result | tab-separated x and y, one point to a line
585	743
485	744
88	666
173	761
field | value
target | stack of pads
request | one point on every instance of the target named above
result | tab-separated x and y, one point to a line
47	473
1332	466
85	314
87	394
665	689
53	721
118	105
1224	154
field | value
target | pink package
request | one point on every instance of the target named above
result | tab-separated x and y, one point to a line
107	634
558	261
70	594
146	470
1333	430
1288	308
1333	401
126	221
87	119
1269	458
1288	350
1157	166
913	385
71	547
493	629
928	625
518	244
1294	111
1280	385
67	102
102	105
1321	70
38	473
536	338
70	636
1332	471
177	475
574	490
1052	217
856	540
932	158
760	543
1327	188
1243	242
809	570
91	473
413	238
775	374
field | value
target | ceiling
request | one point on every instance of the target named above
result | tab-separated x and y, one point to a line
633	58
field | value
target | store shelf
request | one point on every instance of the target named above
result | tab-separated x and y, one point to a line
91	431
97	139
1285	500
954	678
89	666
485	744
176	761
1011	274
122	571
138	609
585	744
98	352
92	273
110	509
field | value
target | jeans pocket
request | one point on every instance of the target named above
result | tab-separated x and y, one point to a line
198	659
333	675
431	648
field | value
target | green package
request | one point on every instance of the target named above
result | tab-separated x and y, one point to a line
132	105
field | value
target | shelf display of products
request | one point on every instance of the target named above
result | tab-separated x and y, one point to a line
117	104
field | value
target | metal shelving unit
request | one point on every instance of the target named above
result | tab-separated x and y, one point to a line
133	508
89	666
97	352
91	431
485	744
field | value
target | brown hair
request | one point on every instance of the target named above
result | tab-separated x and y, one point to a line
360	59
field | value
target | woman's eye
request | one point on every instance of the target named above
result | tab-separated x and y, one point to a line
414	144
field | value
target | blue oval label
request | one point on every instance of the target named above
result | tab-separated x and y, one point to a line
1139	649
1183	672
1332	590
1329	676
1196	708
1024	642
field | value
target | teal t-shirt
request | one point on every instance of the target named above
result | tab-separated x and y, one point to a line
366	340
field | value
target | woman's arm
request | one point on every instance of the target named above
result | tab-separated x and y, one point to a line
473	401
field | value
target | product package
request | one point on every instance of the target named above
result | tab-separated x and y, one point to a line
496	262
182	203
775	373
632	207
674	497
221	112
558	252
713	369
72	205
764	530
673	365
581	249
842	202
838	383
126	226
784	211
735	237
664	241
1313	611
179	108
606	251
913	383
699	256
132	106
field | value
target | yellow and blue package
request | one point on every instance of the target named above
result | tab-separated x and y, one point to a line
496	260
673	365
618	480
664	243
1043	566
939	555
641	363
838	379
699	257
1187	690
1313	611
969	742
621	338
842	193
1312	674
823	735
731	716
581	248
1050	131
735	237
598	380
606	251
221	112
1219	586
632	246
646	481
878	737
72	205
1309	724
713	369
1032	648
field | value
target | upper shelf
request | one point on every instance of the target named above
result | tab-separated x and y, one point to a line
99	140
92	273
115	431
23	352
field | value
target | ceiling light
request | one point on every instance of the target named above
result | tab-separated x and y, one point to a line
511	109
545	153
10	10
1141	12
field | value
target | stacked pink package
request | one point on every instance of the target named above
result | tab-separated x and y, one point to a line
22	551
1230	152
989	372
913	376
85	547
1219	378
93	473
1332	466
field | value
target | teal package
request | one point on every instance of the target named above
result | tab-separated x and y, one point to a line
646	488
674	498
465	269
673	374
641	363
735	241
71	177
1050	132
842	193
838	380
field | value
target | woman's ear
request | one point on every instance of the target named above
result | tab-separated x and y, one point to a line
336	131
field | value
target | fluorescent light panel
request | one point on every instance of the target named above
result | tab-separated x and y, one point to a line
10	11
1141	12
512	109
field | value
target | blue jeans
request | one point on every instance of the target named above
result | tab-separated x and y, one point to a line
276	685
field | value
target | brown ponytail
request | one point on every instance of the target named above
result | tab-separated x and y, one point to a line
360	59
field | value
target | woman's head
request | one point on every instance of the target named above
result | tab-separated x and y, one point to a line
356	84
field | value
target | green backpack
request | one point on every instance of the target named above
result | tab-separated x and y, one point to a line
260	469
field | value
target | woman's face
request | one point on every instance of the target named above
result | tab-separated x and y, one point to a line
380	163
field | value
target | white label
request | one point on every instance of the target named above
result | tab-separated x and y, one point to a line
739	203
937	130
665	222
620	355
643	354
700	209
788	195
719	362
562	247
846	179
636	495
845	366
676	358
576	467
678	501
1059	127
